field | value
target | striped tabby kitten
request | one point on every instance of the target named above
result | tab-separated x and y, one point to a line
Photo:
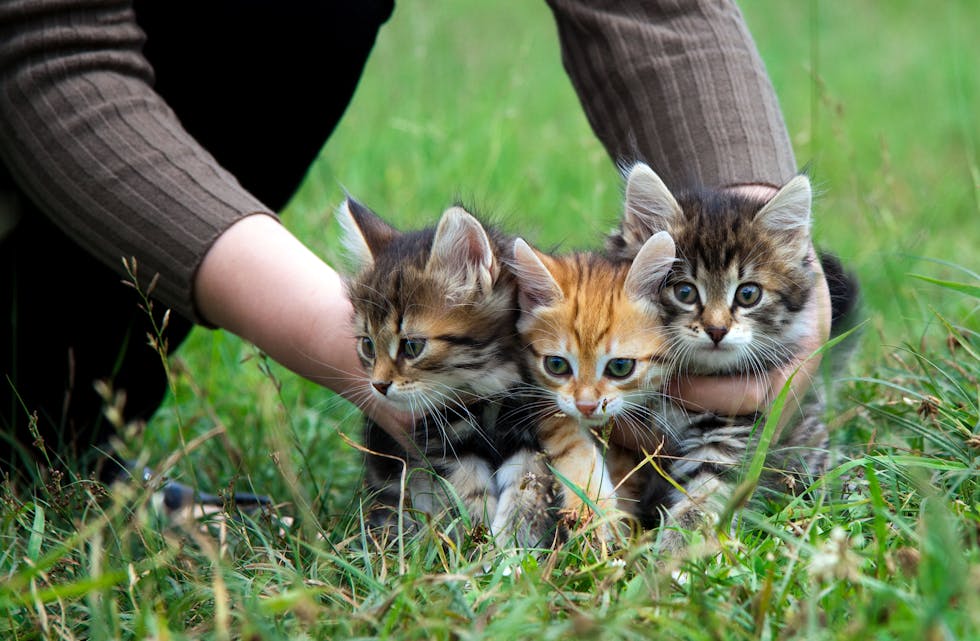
434	316
730	305
591	332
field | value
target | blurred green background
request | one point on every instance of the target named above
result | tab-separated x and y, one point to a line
469	99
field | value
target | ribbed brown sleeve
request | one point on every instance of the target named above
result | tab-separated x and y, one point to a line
86	137
678	84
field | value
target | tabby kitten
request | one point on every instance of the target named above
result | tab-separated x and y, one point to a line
434	317
731	305
591	333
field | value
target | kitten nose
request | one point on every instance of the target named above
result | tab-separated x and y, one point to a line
381	386
586	407
716	333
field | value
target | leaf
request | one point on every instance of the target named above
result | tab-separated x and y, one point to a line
576	490
37	534
72	590
955	333
963	288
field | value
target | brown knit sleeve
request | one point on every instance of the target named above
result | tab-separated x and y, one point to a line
679	84
84	134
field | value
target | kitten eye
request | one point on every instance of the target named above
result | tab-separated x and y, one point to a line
556	365
367	348
620	367
748	294
412	347
686	293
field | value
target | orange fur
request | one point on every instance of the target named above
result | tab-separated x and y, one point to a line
595	316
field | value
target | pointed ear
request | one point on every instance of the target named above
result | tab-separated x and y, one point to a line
363	233
649	206
787	214
650	267
461	251
536	285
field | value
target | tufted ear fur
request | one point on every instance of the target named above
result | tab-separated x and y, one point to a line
649	207
363	233
787	215
650	267
462	253
536	285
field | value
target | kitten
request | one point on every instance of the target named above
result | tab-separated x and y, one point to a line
591	333
731	305
434	317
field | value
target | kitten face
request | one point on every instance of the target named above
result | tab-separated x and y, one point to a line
732	301
433	311
591	330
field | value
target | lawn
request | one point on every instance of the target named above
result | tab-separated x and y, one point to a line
469	100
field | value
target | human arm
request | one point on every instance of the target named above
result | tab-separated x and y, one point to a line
261	283
679	85
104	157
100	153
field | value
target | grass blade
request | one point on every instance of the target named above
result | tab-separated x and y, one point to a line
964	288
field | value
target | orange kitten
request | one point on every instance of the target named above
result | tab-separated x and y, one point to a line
591	332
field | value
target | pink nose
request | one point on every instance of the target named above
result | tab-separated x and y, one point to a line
381	386
586	407
716	333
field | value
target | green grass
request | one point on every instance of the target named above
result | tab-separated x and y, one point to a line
470	100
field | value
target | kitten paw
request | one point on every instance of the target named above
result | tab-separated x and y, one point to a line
672	541
605	528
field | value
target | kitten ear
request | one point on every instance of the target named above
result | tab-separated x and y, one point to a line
461	250
787	214
535	285
363	232
649	206
650	267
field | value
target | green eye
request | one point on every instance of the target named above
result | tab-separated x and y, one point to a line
620	367
557	366
366	346
412	347
748	294
686	293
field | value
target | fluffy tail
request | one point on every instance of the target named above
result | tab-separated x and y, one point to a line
845	306
844	293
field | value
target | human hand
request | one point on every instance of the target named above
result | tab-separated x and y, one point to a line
261	283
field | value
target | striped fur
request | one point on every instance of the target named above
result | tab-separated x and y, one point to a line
434	318
591	337
731	305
